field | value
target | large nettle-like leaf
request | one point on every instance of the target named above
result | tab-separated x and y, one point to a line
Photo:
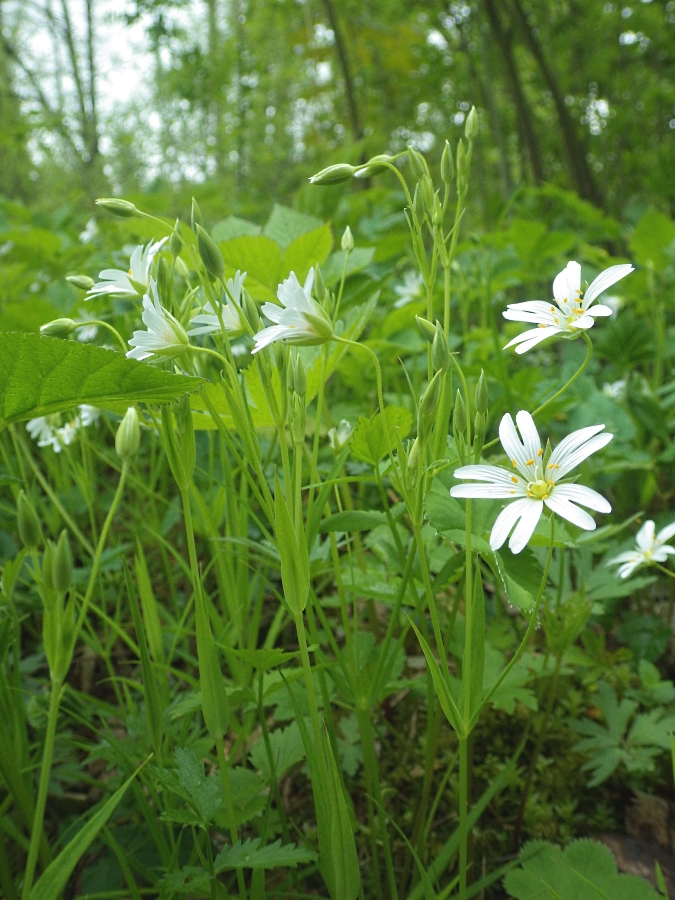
40	376
585	870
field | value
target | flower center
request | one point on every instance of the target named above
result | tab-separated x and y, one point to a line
539	489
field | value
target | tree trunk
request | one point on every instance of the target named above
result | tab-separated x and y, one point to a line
343	58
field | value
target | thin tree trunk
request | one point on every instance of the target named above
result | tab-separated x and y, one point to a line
575	146
495	117
343	58
93	137
523	113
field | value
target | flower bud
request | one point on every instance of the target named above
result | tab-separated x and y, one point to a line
418	204
481	398
251	311
440	354
336	174
430	399
128	437
427	329
196	217
418	164
164	280
414	455
30	531
59	328
48	566
175	243
210	254
347	242
437	211
462	167
374	166
447	165
339	437
123	208
471	127
459	418
299	378
83	282
319	284
62	566
428	193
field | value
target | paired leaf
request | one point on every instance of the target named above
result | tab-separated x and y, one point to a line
369	441
40	376
250	855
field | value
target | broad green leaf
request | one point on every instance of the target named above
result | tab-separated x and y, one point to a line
55	877
250	855
653	234
306	251
204	791
233	227
585	869
287	750
258	256
359	258
369	442
352	520
29	316
40	376
285	225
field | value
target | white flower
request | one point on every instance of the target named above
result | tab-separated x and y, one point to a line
530	486
51	431
86	332
572	312
90	232
299	319
132	283
339	437
410	290
165	335
649	547
208	320
615	389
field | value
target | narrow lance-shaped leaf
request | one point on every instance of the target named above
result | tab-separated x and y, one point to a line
40	376
293	554
341	868
443	691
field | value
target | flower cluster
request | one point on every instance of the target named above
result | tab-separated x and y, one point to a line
649	548
53	431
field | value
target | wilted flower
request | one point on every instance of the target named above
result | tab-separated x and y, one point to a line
530	485
411	289
165	335
572	312
207	320
299	319
133	283
340	436
649	548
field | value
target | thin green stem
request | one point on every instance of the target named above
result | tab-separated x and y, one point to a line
45	771
463	813
114	331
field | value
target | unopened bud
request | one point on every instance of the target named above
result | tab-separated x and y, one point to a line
30	531
431	395
482	398
163	280
251	311
59	328
347	242
418	204
319	284
414	455
336	174
471	127
48	566
83	282
175	243
440	354
128	437
123	208
418	163
210	254
427	329
459	418
196	217
62	569
447	165
299	378
428	193
462	167
437	211
376	165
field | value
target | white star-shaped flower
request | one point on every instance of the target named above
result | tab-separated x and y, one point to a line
207	320
165	335
531	486
410	290
299	319
571	313
52	431
649	547
133	283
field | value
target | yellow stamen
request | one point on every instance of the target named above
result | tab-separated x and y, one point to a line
514	463
529	462
540	452
542	325
514	479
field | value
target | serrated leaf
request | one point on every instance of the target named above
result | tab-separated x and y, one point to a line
257	255
306	251
204	792
287	750
250	855
233	227
262	660
40	376
285	224
369	441
585	869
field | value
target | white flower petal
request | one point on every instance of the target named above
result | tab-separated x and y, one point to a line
567	286
599	310
666	533
485	491
579	493
571	460
525	528
662	553
531	442
512	445
645	536
531	338
604	280
583	322
505	521
569	511
486	473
